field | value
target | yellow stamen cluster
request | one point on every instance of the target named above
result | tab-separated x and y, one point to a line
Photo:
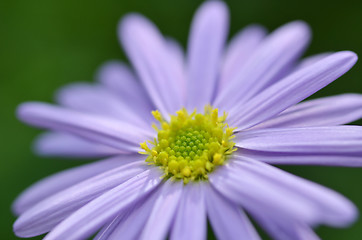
191	145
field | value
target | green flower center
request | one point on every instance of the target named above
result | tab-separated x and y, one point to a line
190	146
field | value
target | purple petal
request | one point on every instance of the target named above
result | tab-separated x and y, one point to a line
328	111
147	50
88	219
291	90
253	192
283	228
108	229
206	42
190	219
227	219
62	180
131	224
261	187
274	56
163	211
177	61
107	131
335	139
339	145
97	99
239	50
327	206
65	145
311	60
304	232
119	79
303	158
46	214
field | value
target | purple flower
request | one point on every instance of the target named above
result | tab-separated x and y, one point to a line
196	165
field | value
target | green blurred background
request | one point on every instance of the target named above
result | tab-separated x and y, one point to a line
46	44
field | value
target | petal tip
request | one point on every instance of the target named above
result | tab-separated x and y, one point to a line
300	28
24	109
256	29
213	7
351	56
16	207
346	57
107	68
19	229
131	23
350	215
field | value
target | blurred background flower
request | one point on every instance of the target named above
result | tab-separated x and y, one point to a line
45	45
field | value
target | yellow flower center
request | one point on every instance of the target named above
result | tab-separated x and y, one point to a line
190	146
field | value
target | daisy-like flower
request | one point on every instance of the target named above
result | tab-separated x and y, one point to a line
189	140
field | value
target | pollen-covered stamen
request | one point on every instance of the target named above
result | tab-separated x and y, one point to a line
191	145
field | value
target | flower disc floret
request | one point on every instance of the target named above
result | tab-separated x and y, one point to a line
190	146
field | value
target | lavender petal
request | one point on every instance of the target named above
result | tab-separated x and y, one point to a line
239	51
107	131
256	185
88	219
97	99
190	219
327	111
291	90
118	78
335	145
206	42
273	56
46	214
176	58
163	211
284	228
147	50
62	180
65	145
227	219
108	229
132	223
310	60
330	207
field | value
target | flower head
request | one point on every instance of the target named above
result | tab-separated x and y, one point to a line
191	145
223	117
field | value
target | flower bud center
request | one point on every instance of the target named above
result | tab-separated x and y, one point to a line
190	146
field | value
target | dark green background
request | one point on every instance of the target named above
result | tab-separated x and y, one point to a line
46	44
